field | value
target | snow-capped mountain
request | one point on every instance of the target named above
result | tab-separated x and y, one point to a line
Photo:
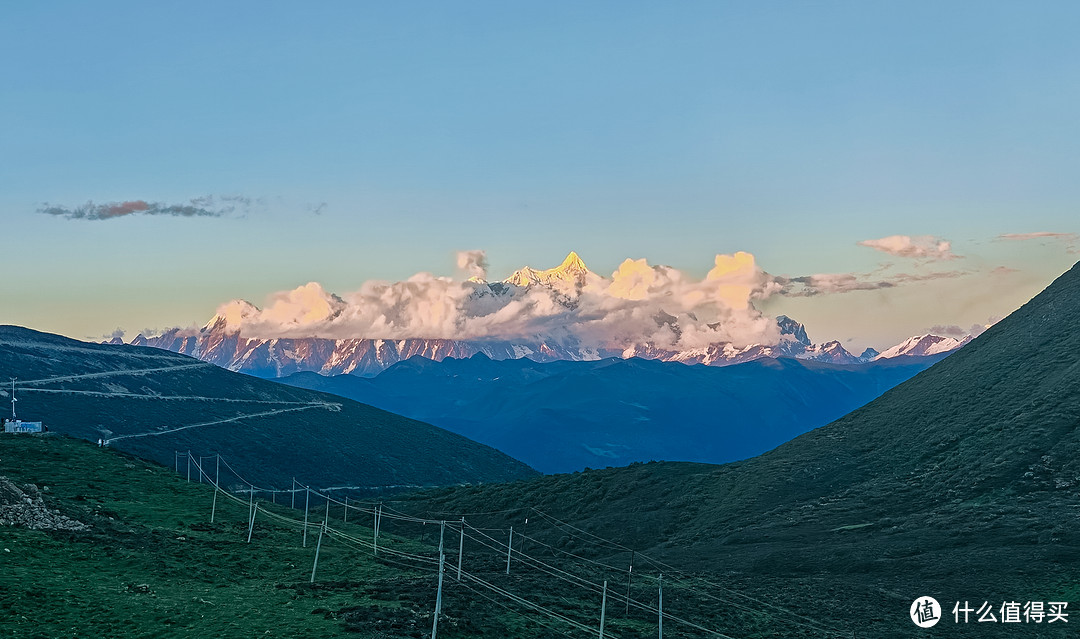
924	345
571	274
224	339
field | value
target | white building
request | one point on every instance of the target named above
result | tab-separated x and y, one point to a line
19	426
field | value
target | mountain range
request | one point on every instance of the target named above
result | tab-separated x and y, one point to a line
565	416
223	340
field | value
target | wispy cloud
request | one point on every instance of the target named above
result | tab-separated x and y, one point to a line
954	330
830	283
1070	240
205	206
825	283
925	247
1034	236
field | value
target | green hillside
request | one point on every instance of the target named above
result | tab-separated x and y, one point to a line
152	403
147	562
962	483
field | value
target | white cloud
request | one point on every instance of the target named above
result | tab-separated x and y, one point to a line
473	263
919	246
626	308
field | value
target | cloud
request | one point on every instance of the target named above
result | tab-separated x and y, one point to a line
953	330
1070	240
1037	235
824	283
638	304
205	206
828	283
921	247
118	333
473	263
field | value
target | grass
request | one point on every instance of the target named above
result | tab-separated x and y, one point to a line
152	565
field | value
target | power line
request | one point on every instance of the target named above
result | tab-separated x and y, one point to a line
487	541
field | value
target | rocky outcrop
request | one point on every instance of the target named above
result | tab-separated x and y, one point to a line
25	507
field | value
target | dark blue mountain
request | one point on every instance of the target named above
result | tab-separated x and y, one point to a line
564	416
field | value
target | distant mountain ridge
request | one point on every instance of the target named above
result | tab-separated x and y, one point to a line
564	416
222	340
151	403
219	344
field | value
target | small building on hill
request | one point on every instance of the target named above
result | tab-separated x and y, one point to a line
19	426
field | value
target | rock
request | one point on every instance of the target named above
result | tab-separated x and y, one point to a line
25	507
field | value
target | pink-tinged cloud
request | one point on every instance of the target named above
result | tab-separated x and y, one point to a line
206	206
1070	240
925	247
124	208
1037	235
639	303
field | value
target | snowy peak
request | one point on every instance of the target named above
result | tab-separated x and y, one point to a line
572	264
796	330
868	354
572	272
230	316
923	346
833	352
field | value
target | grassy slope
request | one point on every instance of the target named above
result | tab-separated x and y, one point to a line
338	442
152	566
148	528
962	482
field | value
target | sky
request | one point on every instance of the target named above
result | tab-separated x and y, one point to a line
158	160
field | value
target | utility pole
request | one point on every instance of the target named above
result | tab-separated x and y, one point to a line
213	509
189	465
293	491
461	549
307	501
603	610
176	460
629	574
509	545
378	516
438	596
660	608
251	526
345	519
217	469
318	545
13	400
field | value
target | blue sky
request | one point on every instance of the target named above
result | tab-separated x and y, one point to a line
375	139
